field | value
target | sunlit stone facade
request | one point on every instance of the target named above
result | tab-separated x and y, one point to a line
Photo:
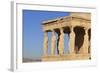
78	27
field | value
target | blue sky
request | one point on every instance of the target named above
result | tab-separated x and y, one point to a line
33	33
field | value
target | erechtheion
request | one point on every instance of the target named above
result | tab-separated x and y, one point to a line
78	27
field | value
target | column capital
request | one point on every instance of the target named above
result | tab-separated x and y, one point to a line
61	28
52	30
72	28
45	33
86	28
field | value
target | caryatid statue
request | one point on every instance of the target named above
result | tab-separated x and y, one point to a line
53	42
45	46
61	42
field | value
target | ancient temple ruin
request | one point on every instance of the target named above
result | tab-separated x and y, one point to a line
78	27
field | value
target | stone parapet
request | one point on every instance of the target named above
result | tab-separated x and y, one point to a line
66	57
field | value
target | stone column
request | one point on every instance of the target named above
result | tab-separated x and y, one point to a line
53	42
45	44
72	41
85	43
61	42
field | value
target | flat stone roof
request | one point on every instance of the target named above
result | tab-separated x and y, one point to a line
86	16
52	20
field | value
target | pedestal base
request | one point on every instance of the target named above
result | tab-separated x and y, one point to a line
67	57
